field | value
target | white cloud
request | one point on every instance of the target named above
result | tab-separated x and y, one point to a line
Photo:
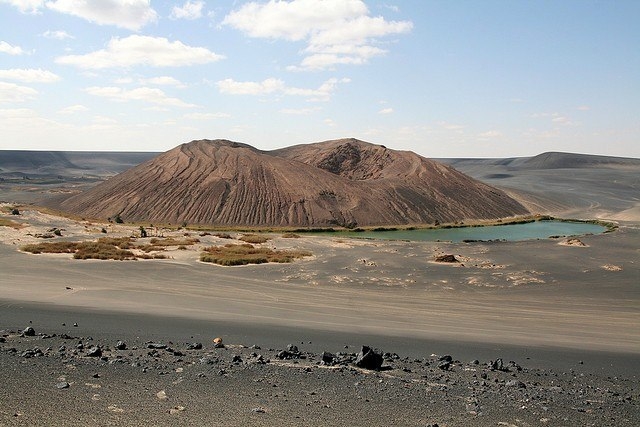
57	35
26	6
356	32
11	50
17	113
327	59
393	8
142	50
190	10
29	75
10	93
72	109
562	120
292	20
103	120
336	31
490	134
206	116
299	112
386	111
146	94
584	108
163	81
555	118
267	86
450	126
129	14
277	86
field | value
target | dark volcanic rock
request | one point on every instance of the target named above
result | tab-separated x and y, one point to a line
94	351
497	365
328	358
121	345
284	354
448	258
292	352
445	365
417	393
156	346
29	332
515	384
369	358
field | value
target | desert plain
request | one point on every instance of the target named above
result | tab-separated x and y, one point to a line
538	332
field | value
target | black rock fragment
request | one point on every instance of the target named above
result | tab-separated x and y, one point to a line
328	358
156	346
94	351
515	384
497	365
369	358
445	365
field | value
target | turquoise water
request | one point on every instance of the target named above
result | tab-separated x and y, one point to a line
512	232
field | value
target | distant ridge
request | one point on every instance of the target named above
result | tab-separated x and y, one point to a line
550	160
558	160
343	182
64	163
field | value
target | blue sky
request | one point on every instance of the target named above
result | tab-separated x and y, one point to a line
441	78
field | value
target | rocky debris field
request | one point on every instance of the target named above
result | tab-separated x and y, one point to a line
69	379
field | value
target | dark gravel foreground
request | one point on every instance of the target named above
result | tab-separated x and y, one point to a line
68	378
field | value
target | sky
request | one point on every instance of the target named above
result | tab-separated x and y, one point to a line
447	78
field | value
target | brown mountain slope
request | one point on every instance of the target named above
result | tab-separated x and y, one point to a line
344	182
410	184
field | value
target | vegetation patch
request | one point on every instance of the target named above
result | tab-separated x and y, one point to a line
51	248
4	222
223	236
12	210
104	248
156	244
245	253
291	236
254	238
121	242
